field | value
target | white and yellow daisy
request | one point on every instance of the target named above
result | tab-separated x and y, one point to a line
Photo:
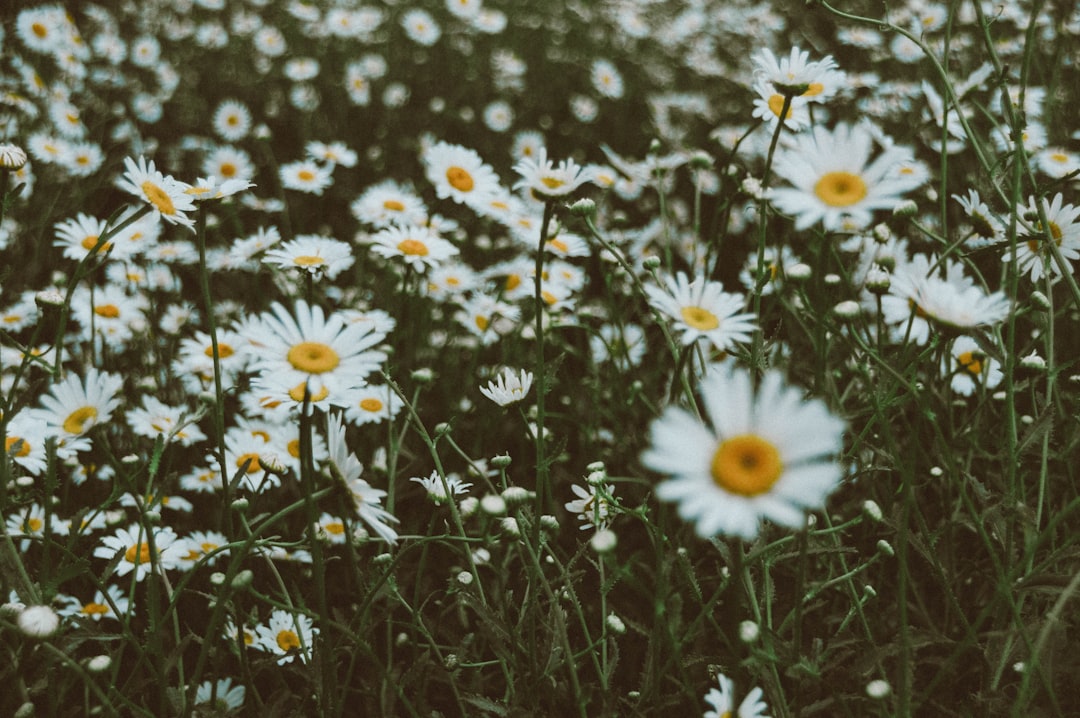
546	181
372	404
24	442
231	120
388	203
139	550
458	173
703	310
768	454
111	603
832	181
722	701
1063	226
305	176
173	423
967	367
421	27
228	163
346	469
311	254
419	247
509	387
165	195
75	405
287	635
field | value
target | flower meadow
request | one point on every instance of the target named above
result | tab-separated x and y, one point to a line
493	358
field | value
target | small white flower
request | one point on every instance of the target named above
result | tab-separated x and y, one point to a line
38	621
509	387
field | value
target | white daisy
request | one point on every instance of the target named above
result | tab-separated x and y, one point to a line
346	469
768	454
722	701
967	367
165	195
546	181
305	176
509	387
1063	225
458	173
702	309
231	120
418	247
287	635
313	254
133	545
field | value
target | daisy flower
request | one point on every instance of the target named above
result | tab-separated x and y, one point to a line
1063	225
156	418
967	366
313	254
346	469
228	163
76	404
833	182
222	696
768	454
988	229
231	120
165	195
312	347
591	505
606	79
31	522
372	404
796	75
133	545
198	546
769	103
421	27
24	442
305	176
452	280
287	635
458	173
388	203
333	153
101	606
437	487
722	701
487	318
419	247
545	181
510	387
702	309
624	345
953	303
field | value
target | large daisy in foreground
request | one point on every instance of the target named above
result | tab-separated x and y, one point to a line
833	182
769	454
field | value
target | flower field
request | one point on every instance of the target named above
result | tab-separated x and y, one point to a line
493	358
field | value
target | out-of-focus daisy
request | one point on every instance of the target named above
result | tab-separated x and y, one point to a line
702	309
196	357
332	529
465	9
1063	225
546	181
165	195
1057	162
113	314
201	546
458	173
346	469
228	163
133	545
833	182
76	404
452	280
487	318
592	506
967	367
334	153
222	696
722	701
797	76
210	188
606	79
24	442
84	159
157	501
98	607
769	103
313	254
509	387
421	27
774	269
624	345
436	488
918	293
305	176
174	424
417	246
767	455
287	635
231	120
372	404
388	203
31	521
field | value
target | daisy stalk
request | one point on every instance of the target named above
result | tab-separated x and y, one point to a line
543	490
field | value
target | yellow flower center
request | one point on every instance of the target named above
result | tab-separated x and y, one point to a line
776	105
482	322
970	362
413	247
393	205
90	240
460	179
39	29
80	420
24	445
94	609
747	465
138	554
287	640
109	311
512	282
840	189
227	169
159	198
814	88
308	260
223	350
558	245
253	462
297	393
699	318
294	447
33	525
1055	232
371	404
552	182
334	527
305	175
313	357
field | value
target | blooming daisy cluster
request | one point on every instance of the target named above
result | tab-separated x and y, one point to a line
325	327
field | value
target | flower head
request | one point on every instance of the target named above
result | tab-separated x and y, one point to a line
509	387
166	196
546	181
702	309
768	454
